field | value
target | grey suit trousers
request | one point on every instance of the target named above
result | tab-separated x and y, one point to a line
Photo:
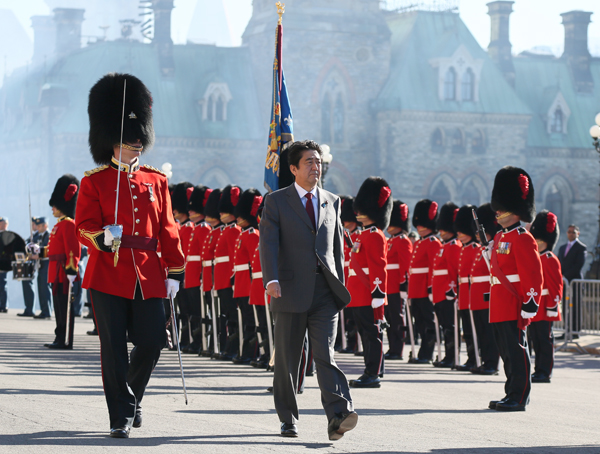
321	321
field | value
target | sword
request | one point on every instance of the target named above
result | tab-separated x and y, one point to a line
115	229
475	343
68	329
269	325
214	323
203	317
176	340
343	326
410	329
456	337
258	335
438	341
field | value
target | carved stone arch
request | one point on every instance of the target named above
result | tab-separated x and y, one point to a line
443	188
339	181
333	65
557	196
214	102
215	177
473	190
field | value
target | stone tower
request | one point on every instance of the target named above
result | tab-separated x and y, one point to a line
336	57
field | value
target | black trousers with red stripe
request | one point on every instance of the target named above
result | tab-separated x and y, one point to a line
372	339
542	340
61	302
512	345
125	375
394	314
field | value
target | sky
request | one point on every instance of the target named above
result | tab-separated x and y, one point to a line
533	22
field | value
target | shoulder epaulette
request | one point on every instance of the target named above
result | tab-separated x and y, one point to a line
96	170
154	169
521	230
432	238
373	229
474	245
251	230
453	241
549	254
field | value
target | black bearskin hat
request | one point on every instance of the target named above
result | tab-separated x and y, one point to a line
64	196
229	199
464	222
248	206
105	108
211	208
181	196
198	199
447	216
545	228
400	215
513	191
348	214
426	214
374	200
487	218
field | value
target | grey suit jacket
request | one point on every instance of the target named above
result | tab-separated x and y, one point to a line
290	248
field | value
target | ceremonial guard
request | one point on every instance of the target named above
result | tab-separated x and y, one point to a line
180	200
420	274
27	284
257	301
63	253
545	231
464	226
246	214
351	231
367	278
211	213
398	261
224	254
516	277
479	294
122	228
193	268
444	282
42	278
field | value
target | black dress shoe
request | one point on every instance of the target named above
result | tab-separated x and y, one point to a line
137	419
366	381
241	360
347	350
60	347
4	310
49	345
340	424
485	371
205	353
25	314
419	361
289	430
41	316
540	378
493	403
93	332
393	356
359	353
120	432
466	367
444	363
510	405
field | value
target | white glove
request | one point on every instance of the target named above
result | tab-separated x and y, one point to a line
33	248
527	315
550	313
430	296
404	295
172	288
377	302
108	238
71	277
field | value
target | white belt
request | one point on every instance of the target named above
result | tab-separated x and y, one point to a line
511	278
193	258
475	279
462	280
346	263
159	254
545	291
257	275
419	270
207	263
440	272
353	273
225	258
393	266
241	267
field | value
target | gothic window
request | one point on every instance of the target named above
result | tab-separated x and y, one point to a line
467	85
219	109
450	85
458	142
470	194
326	119
557	121
437	141
338	120
440	193
214	103
478	143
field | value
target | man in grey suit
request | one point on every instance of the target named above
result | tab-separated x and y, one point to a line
302	259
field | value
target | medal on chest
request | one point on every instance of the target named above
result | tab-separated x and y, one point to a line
150	191
356	247
504	248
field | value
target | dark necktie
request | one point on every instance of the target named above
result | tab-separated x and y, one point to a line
310	210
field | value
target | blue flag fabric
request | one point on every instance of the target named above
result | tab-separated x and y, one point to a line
282	126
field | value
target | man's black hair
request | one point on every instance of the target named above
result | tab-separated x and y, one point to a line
295	151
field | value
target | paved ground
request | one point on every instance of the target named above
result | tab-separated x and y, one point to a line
52	402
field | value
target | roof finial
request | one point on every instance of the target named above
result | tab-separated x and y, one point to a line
280	10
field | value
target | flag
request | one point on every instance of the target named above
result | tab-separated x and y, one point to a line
281	127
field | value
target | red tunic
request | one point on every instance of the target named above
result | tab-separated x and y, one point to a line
244	253
444	278
553	288
146	216
368	277
193	266
518	258
398	260
347	251
468	254
208	256
480	283
224	255
257	291
421	266
63	251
